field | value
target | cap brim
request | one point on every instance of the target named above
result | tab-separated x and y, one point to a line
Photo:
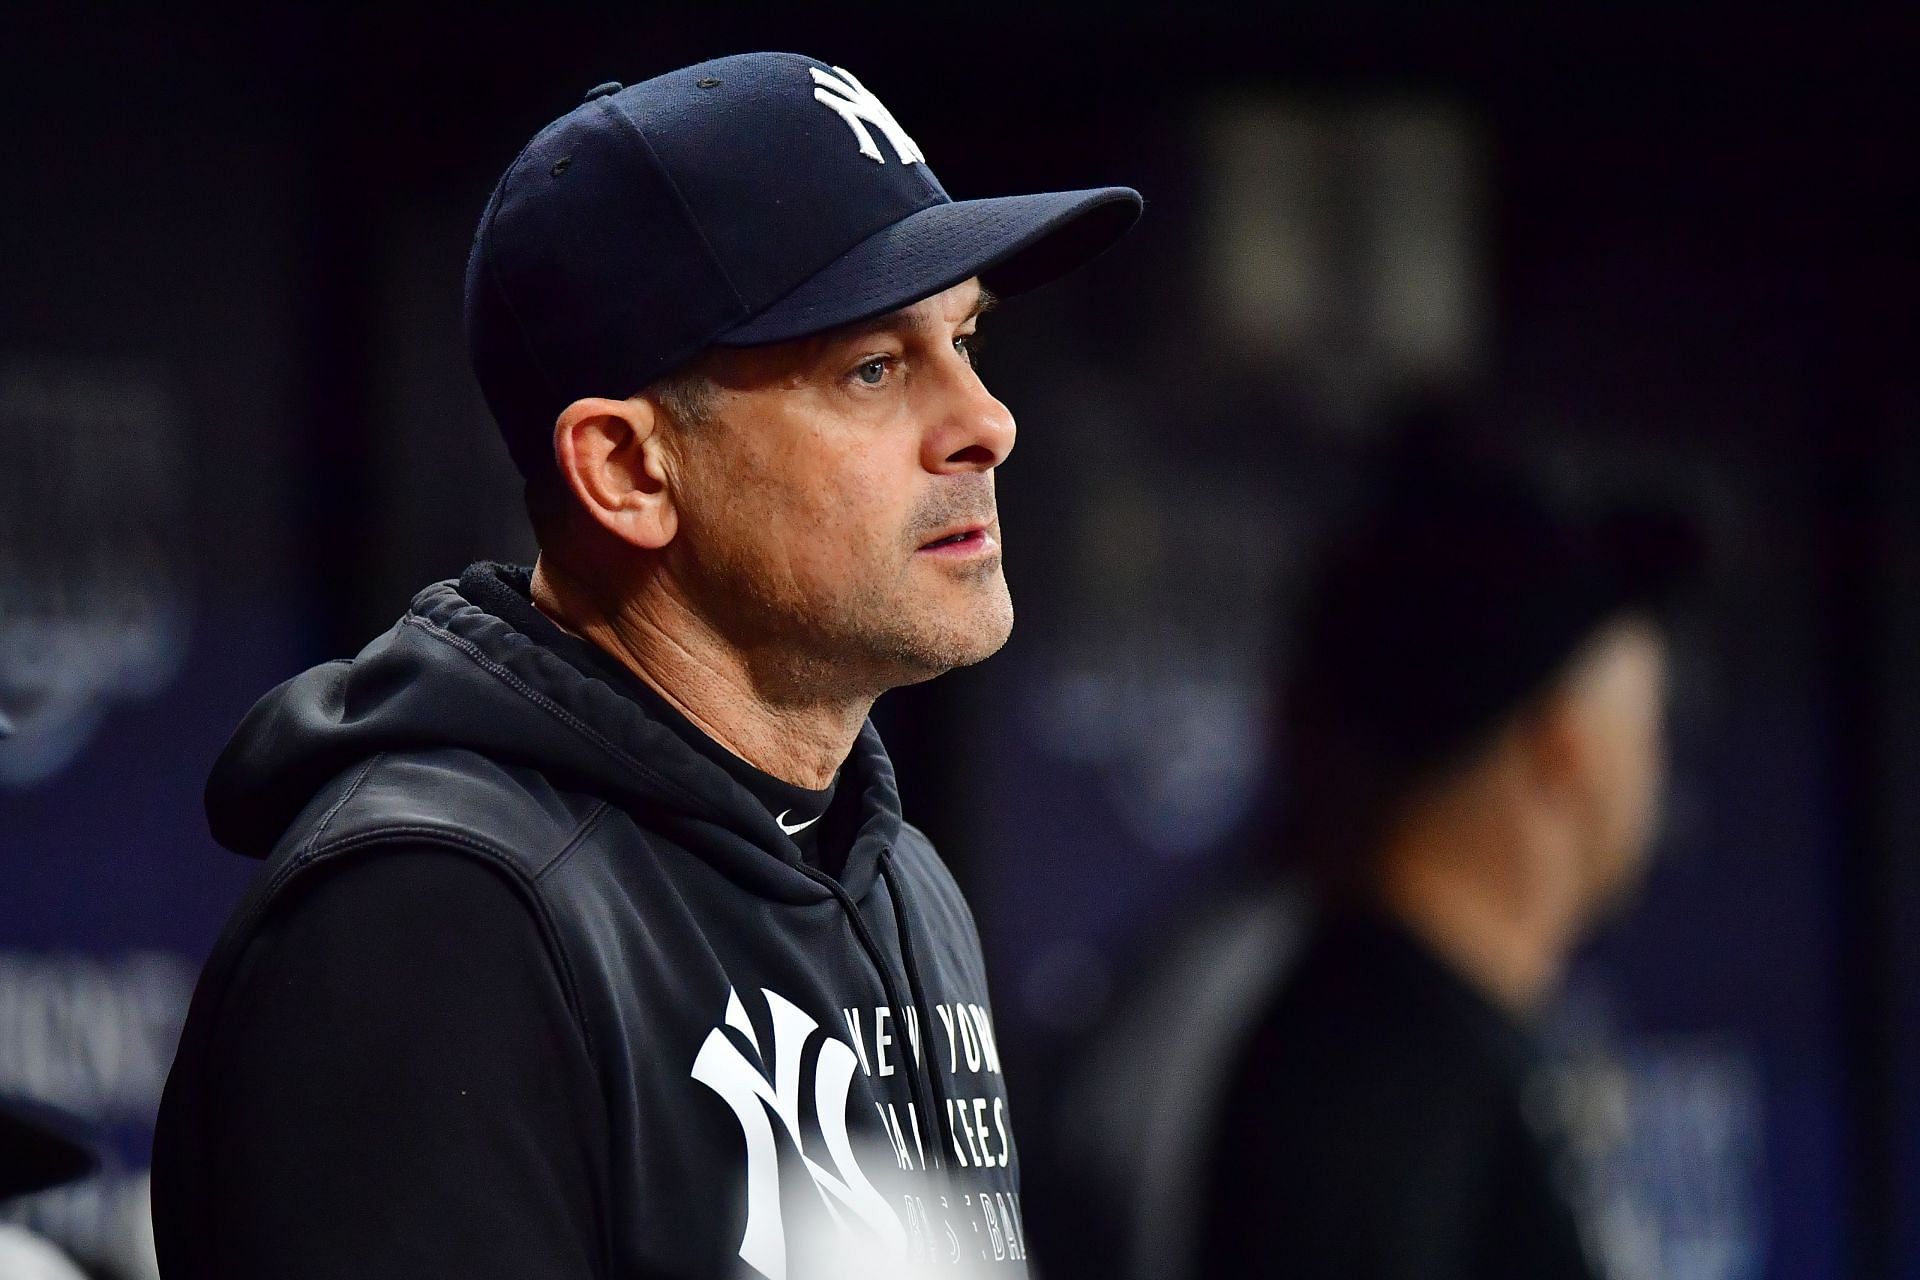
36	1151
1015	243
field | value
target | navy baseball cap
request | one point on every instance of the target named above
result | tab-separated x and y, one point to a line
1466	584
752	199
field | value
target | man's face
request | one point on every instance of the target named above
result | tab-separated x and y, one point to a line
836	503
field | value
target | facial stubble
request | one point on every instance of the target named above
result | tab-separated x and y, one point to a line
900	623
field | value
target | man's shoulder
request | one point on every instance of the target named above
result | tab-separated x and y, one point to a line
938	895
513	815
1356	1042
913	853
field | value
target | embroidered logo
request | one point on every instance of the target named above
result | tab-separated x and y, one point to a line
772	1086
847	98
797	827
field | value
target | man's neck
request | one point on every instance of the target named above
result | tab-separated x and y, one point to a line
1488	894
799	739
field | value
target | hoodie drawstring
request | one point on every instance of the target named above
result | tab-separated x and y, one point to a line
918	1075
901	910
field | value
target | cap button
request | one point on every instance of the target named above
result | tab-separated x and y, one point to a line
602	90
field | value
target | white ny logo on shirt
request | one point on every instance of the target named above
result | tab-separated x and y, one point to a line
851	101
775	1084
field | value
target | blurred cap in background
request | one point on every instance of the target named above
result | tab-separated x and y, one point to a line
1468	583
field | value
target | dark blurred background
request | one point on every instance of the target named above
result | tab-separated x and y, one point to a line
237	431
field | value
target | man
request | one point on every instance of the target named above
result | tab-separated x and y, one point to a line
591	941
1475	748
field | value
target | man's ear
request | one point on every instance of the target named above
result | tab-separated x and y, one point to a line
612	456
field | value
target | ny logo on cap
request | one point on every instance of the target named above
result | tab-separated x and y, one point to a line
850	100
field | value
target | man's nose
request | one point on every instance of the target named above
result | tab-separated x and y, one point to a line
971	431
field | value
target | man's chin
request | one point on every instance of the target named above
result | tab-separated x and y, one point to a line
937	650
987	645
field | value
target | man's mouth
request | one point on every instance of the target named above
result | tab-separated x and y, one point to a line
964	540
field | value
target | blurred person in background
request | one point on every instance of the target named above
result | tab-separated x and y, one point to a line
1474	725
590	920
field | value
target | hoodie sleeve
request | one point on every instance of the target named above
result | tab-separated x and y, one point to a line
403	1090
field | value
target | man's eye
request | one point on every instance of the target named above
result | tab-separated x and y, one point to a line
873	372
968	345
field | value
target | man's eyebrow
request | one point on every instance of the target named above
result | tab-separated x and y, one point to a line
986	301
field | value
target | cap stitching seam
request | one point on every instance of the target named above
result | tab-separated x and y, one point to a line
679	197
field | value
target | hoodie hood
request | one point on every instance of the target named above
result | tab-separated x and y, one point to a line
451	675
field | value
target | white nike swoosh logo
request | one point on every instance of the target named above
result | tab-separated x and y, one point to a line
796	829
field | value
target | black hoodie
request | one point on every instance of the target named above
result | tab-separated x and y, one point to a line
751	1050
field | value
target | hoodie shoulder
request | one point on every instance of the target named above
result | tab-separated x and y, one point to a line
511	815
450	678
